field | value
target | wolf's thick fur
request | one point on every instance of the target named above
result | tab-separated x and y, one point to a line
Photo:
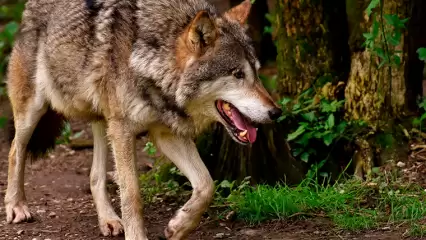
166	67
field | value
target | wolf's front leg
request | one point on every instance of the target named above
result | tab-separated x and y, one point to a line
123	145
109	222
184	154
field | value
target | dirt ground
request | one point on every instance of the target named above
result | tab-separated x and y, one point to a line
58	194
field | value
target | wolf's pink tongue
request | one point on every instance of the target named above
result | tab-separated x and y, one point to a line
242	124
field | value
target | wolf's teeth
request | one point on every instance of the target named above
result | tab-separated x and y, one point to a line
257	129
226	107
243	133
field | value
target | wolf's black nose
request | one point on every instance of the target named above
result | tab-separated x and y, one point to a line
275	113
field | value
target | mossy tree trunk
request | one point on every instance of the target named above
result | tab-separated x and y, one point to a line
382	96
374	93
307	46
311	43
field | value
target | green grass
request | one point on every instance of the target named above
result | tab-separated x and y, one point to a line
351	206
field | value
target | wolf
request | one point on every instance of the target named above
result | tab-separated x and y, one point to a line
168	68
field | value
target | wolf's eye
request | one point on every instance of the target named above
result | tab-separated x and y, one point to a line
238	74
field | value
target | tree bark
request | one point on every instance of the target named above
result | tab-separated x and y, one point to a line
374	94
311	42
379	95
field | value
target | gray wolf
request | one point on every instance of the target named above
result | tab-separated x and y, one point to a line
169	68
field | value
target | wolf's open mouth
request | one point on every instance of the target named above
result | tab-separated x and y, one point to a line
240	126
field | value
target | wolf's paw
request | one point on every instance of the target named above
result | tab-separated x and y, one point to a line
181	225
111	227
17	213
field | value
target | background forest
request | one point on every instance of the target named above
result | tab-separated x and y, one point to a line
346	160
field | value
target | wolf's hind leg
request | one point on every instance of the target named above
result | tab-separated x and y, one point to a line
184	154
15	200
109	222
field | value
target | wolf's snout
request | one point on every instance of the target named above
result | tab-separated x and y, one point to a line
275	113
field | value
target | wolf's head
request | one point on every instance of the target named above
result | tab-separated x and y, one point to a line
220	74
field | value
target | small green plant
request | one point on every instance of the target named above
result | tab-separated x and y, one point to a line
385	35
12	14
162	182
226	191
318	122
419	120
422	54
150	149
67	135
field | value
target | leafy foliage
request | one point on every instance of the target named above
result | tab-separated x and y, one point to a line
150	149
422	54
12	15
67	135
319	123
385	35
418	122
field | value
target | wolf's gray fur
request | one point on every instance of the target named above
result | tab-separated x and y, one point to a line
167	67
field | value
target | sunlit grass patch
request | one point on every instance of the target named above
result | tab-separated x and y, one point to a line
352	205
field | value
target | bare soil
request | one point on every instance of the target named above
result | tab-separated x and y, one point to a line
58	194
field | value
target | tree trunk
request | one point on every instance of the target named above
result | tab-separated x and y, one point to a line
311	35
374	94
306	49
379	95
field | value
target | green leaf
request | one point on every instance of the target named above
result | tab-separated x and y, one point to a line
296	134
282	118
373	4
225	184
297	151
397	60
330	121
416	121
368	36
422	54
285	101
390	19
304	140
375	30
309	116
423	117
305	157
381	53
332	107
296	107
318	135
328	139
341	127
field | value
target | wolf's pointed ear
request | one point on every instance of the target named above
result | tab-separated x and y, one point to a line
240	12
202	33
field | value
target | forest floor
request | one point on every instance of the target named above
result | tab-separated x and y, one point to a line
58	193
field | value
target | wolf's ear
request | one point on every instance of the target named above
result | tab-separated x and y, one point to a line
240	12
202	33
